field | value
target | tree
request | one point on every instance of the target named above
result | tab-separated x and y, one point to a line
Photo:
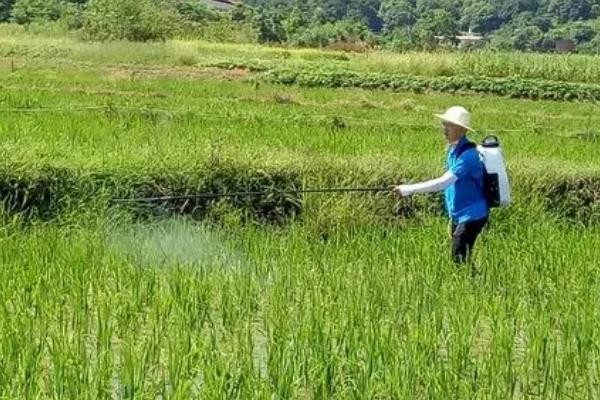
195	11
135	20
293	23
5	9
332	32
269	25
570	10
26	11
591	47
319	16
242	13
528	38
436	23
481	17
511	24
578	32
366	11
508	10
397	13
400	39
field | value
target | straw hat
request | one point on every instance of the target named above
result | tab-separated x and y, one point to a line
457	116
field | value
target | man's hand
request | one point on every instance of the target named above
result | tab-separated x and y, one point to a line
402	191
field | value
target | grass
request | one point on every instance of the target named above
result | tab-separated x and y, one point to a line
355	298
74	118
368	313
167	129
44	49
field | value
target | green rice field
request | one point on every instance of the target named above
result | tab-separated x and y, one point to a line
345	296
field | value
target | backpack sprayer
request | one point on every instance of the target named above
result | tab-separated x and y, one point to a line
254	194
496	184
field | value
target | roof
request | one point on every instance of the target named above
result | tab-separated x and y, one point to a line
221	4
464	37
469	36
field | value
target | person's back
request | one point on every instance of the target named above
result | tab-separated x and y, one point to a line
465	199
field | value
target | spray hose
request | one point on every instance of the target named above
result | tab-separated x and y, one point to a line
252	194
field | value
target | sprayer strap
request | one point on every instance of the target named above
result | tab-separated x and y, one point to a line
465	148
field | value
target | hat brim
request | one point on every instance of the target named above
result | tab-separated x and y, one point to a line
453	122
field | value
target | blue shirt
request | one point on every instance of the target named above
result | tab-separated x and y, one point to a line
465	200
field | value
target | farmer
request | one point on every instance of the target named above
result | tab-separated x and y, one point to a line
462	185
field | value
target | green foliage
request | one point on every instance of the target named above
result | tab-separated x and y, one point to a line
225	30
135	20
522	35
570	10
196	12
5	9
438	22
416	24
577	32
400	39
527	39
270	27
326	34
26	11
591	47
195	20
293	24
515	24
511	87
397	14
72	16
480	16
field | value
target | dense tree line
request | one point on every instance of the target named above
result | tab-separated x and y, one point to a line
516	24
398	24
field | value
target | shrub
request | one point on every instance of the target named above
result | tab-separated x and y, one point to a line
196	12
399	40
511	87
323	35
224	30
135	20
72	16
27	11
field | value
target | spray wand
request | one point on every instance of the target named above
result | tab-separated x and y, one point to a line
252	194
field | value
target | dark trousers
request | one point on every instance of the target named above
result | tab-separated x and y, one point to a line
464	237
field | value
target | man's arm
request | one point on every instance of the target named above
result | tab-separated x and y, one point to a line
432	186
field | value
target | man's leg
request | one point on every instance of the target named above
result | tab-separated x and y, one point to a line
459	244
464	238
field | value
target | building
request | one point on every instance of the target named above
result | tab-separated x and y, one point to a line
222	5
464	40
470	40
